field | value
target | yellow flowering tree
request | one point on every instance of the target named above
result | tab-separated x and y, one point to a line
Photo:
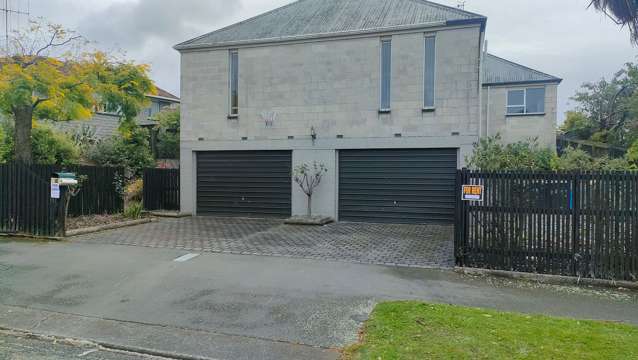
47	74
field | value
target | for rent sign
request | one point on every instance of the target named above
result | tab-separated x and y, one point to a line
473	192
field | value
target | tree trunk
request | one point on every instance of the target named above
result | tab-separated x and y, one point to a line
309	205
23	123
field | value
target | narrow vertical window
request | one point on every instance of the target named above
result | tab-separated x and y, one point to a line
429	72
234	83
386	73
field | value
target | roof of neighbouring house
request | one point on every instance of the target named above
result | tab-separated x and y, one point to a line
326	18
498	71
165	94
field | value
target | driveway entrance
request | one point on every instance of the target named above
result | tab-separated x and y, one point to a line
384	244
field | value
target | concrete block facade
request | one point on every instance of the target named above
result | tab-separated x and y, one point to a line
331	87
520	127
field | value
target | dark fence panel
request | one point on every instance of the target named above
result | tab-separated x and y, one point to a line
575	224
161	189
100	193
26	206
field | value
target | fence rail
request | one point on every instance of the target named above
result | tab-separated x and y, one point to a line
161	189
575	224
26	206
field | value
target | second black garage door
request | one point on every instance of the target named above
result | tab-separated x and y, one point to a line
410	186
244	183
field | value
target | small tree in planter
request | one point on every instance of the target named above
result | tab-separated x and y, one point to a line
308	177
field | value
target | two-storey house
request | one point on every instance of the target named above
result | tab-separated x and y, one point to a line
390	95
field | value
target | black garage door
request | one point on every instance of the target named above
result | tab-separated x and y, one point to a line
244	183
410	186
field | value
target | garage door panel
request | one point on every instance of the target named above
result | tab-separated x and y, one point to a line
397	186
244	183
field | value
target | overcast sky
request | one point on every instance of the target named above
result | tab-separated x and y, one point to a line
561	37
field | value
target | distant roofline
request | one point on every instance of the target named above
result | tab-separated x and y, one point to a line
450	23
175	100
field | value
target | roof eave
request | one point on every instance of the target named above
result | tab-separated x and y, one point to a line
528	82
449	23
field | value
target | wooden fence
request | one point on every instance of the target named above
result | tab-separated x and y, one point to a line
26	206
574	224
161	189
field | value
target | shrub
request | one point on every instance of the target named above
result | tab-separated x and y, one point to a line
168	134
490	154
131	152
48	145
134	210
135	191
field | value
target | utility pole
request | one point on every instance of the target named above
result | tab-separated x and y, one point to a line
7	14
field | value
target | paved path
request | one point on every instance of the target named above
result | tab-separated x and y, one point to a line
405	245
243	307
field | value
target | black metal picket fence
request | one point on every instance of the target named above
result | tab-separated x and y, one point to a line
26	206
161	189
574	224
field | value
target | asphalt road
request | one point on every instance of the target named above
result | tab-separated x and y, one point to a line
243	307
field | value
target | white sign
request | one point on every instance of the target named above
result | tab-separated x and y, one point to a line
55	190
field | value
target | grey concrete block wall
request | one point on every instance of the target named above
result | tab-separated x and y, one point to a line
520	128
333	87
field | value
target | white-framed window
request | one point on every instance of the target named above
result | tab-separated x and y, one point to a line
429	72
386	74
526	101
233	83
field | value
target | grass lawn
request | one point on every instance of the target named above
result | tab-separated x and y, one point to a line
414	330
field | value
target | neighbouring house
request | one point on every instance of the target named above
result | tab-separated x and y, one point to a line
105	124
390	95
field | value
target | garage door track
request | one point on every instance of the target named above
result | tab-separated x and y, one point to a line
383	244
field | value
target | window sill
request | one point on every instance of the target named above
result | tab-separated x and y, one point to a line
385	111
428	109
524	115
233	117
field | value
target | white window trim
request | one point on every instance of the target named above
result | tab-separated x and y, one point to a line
230	83
381	109
433	107
524	105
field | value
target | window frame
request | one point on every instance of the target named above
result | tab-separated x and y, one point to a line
427	107
524	104
233	75
383	41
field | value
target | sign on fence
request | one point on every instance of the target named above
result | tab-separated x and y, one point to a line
55	189
473	192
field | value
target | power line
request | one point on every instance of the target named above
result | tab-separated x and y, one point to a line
8	12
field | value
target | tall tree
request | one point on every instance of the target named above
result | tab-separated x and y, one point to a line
48	74
622	12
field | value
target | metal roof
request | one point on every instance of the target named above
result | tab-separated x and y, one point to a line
498	71
326	18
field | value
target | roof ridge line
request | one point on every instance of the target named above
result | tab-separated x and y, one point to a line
523	66
432	3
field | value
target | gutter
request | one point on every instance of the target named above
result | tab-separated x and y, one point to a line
527	82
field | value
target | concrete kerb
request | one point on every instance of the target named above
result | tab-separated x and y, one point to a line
549	279
95	229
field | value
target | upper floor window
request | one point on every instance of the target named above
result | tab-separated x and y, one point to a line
386	73
234	83
429	72
526	101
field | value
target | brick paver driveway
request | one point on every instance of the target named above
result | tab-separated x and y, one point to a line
401	245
